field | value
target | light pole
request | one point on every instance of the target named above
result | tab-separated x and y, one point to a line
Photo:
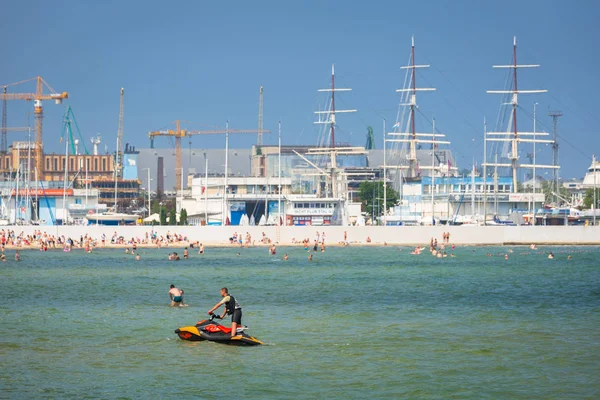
433	175
224	206
594	170
373	204
205	189
534	178
180	191
279	217
384	176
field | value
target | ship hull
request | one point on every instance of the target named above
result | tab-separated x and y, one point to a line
111	219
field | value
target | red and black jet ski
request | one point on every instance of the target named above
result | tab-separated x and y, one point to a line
214	332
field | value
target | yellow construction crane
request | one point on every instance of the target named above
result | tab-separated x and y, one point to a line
38	112
179	133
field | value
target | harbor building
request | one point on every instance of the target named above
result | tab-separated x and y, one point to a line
68	188
47	205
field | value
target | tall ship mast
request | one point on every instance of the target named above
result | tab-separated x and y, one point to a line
405	134
331	111
336	180
512	136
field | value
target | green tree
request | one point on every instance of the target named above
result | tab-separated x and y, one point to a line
167	204
163	215
588	199
172	217
371	195
183	217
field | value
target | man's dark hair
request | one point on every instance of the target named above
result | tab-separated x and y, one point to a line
172	286
225	289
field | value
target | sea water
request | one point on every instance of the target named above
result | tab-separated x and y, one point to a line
371	322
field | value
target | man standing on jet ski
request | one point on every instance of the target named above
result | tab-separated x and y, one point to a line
232	308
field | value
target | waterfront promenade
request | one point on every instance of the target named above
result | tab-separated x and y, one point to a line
378	235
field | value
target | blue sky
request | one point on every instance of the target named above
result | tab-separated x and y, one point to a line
204	62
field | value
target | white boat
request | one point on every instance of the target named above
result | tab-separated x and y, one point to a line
111	218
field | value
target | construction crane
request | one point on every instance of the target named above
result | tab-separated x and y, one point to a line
179	133
119	148
69	119
120	128
38	111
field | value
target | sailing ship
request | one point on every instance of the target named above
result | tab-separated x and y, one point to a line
404	143
507	143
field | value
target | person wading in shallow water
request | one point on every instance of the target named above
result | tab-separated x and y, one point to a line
232	307
176	296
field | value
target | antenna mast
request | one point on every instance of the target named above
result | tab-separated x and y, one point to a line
555	115
332	111
515	137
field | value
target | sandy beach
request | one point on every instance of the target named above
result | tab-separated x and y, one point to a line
31	237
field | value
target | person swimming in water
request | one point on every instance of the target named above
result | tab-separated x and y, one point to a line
185	254
176	296
285	257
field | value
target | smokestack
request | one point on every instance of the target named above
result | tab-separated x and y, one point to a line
160	179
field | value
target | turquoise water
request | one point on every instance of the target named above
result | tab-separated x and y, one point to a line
354	323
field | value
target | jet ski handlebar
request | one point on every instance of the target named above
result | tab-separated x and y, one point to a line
213	316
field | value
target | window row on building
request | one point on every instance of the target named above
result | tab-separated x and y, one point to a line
314	205
465	188
91	163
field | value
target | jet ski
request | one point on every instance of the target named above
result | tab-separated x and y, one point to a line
214	332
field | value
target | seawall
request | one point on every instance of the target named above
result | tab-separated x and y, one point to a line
408	235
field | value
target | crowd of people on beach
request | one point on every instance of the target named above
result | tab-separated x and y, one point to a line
245	241
45	241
